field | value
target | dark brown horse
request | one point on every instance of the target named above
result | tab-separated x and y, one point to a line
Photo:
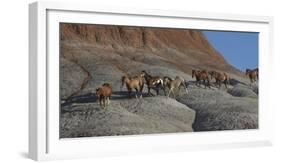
153	82
220	78
253	74
201	76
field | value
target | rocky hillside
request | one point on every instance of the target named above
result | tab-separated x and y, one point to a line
91	55
126	117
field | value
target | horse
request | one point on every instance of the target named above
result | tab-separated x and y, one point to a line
201	76
136	82
252	74
172	85
153	82
220	78
104	93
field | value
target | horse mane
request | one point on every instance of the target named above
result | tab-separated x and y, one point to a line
203	71
248	70
107	85
146	75
166	77
123	79
177	77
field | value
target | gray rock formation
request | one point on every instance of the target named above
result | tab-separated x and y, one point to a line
219	110
242	91
126	117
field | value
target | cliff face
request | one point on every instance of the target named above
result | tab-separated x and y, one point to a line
122	37
185	47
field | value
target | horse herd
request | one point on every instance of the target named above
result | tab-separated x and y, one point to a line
158	83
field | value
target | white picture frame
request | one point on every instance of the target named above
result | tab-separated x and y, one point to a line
44	142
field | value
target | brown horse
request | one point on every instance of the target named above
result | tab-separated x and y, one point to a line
136	82
253	74
104	93
155	82
220	78
201	76
172	85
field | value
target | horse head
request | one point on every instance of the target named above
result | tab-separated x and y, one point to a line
166	81
247	71
123	79
143	72
98	92
212	73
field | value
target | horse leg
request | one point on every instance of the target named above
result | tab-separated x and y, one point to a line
103	101
100	101
140	94
163	88
169	93
136	92
178	91
225	83
129	92
108	101
149	93
141	88
185	87
174	94
205	83
157	91
218	83
196	83
251	81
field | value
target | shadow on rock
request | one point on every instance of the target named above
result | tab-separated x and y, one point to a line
85	98
92	98
234	82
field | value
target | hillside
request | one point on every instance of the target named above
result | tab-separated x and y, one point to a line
91	55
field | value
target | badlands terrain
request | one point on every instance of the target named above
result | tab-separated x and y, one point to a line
91	55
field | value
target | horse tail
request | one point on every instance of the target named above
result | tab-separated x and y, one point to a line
185	87
122	82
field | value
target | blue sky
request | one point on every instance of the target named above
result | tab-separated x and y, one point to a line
240	49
